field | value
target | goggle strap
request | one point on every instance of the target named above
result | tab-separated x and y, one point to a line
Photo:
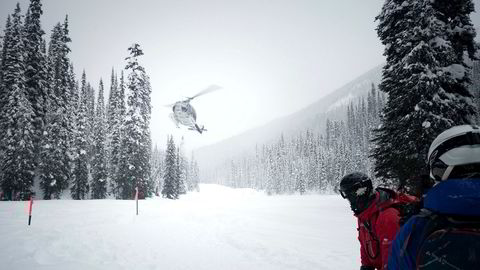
447	172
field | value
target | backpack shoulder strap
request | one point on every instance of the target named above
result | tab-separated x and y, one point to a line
374	237
430	226
385	198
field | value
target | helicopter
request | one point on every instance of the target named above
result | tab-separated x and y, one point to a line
185	114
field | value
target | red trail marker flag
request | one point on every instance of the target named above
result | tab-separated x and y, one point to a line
30	210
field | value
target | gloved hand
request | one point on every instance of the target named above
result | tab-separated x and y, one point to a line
363	267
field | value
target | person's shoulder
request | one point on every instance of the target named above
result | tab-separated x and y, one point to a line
389	211
388	217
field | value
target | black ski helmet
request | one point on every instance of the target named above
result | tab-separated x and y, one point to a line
357	189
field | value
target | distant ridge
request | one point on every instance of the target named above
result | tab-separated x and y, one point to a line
313	117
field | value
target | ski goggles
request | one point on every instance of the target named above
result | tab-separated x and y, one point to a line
351	190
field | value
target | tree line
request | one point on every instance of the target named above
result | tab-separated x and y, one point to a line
53	131
310	161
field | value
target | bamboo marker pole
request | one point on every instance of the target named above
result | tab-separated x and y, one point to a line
136	198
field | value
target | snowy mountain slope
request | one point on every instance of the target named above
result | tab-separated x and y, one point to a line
217	228
313	117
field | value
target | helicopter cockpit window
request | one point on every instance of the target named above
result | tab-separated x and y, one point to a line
184	109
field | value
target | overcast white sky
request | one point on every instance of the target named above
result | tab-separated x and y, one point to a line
272	58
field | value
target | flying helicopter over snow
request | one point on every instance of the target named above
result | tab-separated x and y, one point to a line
184	113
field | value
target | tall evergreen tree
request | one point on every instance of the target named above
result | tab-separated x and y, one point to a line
170	179
428	44
181	169
99	162
7	31
72	113
137	145
195	175
56	153
112	104
110	118
36	72
80	187
158	164
90	101
16	140
116	137
3	93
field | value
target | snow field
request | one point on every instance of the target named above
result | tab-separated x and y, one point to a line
218	228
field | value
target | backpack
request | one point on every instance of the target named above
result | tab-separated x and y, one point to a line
406	205
450	242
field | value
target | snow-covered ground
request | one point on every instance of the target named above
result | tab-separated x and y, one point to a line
218	228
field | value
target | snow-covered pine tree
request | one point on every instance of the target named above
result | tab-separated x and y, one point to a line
80	187
90	100
188	178
232	176
194	175
72	112
182	168
110	116
112	105
2	44
99	162
158	169
36	72
179	184
16	139
372	104
299	176
137	145
56	163
115	151
170	178
428	45
74	94
3	94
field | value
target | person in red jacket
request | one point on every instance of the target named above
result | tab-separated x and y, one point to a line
378	221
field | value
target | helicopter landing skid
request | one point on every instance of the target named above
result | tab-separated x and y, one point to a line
197	128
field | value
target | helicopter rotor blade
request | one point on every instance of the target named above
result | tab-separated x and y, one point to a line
209	89
169	105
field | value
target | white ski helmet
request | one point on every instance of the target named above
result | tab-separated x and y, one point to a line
456	146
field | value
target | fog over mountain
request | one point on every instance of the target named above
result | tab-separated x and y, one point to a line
313	117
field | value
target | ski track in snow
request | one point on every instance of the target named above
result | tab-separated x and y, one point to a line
218	228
